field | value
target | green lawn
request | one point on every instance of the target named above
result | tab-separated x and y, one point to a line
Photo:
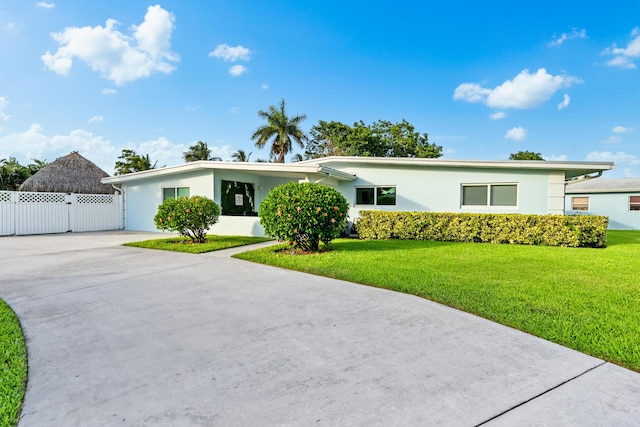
183	244
585	299
13	366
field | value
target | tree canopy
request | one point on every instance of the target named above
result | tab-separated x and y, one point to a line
198	151
240	156
13	174
380	139
132	162
526	155
281	129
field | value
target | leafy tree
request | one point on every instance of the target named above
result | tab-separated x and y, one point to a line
189	216
198	151
132	162
380	139
13	174
304	214
526	155
240	156
280	128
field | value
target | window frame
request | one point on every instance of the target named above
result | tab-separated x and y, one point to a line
634	205
375	191
580	205
489	195
175	189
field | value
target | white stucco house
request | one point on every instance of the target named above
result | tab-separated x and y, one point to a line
617	198
407	184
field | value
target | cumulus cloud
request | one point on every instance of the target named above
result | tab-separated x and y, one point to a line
4	102
526	90
565	102
231	53
95	119
108	91
574	34
517	133
619	158
624	57
622	129
498	115
264	86
237	70
45	5
235	110
167	153
613	139
560	158
116	56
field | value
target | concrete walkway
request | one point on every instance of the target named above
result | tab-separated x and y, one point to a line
126	336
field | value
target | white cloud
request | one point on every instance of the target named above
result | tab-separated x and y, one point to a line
231	53
237	70
560	158
498	115
618	158
517	133
108	91
565	102
45	5
96	119
613	139
526	90
264	86
116	56
3	104
167	153
574	34
623	57
235	110
622	129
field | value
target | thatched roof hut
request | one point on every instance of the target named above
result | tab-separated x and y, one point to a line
69	174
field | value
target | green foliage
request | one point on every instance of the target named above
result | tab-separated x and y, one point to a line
13	366
189	216
585	299
240	156
199	151
380	139
212	243
526	155
304	214
282	129
13	174
547	230
131	162
232	189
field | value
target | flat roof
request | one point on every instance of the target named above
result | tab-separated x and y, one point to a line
605	185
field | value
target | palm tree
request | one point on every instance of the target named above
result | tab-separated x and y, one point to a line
282	129
240	156
198	151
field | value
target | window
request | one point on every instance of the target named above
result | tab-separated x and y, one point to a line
174	192
634	203
237	198
490	195
381	196
579	203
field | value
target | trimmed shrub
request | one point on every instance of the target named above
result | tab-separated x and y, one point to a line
548	230
304	214
189	216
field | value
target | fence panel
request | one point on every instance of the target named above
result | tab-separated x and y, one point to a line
95	212
7	213
41	213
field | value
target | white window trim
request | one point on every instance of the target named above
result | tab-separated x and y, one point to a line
489	206
175	188
375	195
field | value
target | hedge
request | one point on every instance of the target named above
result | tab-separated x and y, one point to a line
548	230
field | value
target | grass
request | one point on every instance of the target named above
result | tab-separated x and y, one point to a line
585	299
13	366
182	244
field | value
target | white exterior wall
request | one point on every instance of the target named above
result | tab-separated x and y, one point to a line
613	205
440	189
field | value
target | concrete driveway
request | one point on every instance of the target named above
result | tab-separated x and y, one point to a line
126	336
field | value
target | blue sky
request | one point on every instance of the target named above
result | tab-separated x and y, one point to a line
483	79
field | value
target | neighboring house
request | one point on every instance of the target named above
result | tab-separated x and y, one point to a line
408	184
617	198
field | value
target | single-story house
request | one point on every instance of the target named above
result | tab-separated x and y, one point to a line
408	184
617	198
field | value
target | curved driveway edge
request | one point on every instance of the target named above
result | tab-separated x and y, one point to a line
128	336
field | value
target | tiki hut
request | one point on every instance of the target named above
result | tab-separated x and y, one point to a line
69	174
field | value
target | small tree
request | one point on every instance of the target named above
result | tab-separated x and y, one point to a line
525	155
303	215
189	216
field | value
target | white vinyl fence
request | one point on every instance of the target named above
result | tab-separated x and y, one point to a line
40	213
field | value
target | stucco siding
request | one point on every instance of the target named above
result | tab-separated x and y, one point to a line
613	205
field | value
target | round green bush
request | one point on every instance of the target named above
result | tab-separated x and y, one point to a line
304	214
189	216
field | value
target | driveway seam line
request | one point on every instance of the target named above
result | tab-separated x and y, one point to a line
541	394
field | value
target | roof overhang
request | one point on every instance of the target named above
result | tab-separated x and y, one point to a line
571	169
284	170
